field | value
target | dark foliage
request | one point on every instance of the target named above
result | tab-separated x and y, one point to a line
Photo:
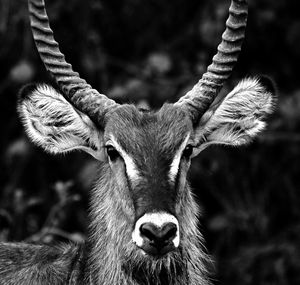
153	51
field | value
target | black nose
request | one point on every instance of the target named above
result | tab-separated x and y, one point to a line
158	240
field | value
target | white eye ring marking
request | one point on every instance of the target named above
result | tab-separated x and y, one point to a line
176	160
131	168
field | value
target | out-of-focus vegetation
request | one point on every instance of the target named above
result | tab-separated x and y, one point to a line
153	51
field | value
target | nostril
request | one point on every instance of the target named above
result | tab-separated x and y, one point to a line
170	231
148	232
158	236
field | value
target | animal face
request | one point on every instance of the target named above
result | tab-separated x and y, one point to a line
149	155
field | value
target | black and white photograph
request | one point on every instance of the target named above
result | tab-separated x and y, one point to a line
149	142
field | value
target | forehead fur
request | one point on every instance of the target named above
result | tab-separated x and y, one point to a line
137	131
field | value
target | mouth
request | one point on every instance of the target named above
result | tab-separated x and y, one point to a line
155	251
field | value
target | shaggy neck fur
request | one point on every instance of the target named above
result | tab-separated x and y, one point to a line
114	259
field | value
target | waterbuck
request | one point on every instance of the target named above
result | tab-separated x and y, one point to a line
143	217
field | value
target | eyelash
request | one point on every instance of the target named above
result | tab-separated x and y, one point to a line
187	152
112	153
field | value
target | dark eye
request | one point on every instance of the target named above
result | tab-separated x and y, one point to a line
112	153
187	152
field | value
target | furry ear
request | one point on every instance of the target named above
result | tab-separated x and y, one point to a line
54	124
239	117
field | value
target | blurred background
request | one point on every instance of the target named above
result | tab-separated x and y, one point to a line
154	51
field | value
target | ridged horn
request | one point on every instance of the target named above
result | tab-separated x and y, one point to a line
74	88
197	100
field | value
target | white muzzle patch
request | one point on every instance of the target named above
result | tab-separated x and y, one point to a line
159	220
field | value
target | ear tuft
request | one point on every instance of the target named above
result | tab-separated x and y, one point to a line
27	90
54	124
251	99
268	84
240	116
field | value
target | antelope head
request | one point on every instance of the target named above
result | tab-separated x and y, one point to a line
145	155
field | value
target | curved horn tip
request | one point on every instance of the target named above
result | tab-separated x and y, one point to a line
204	92
76	89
